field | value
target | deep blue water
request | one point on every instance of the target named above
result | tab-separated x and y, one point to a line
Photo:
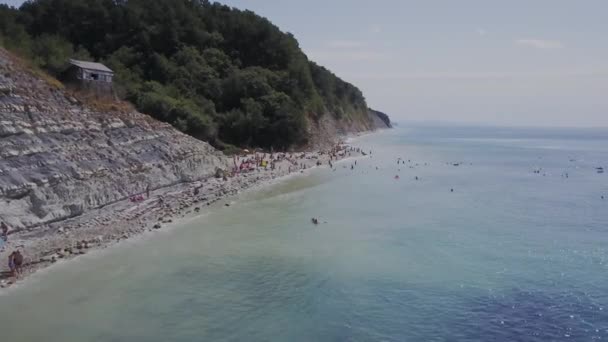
510	255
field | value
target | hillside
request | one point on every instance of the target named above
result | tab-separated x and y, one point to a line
59	158
222	75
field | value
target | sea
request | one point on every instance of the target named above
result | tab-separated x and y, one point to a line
439	233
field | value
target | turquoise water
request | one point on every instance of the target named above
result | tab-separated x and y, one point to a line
510	255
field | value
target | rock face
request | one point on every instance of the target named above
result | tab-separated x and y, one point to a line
324	131
380	120
59	158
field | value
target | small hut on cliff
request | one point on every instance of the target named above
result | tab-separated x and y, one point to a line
94	78
90	72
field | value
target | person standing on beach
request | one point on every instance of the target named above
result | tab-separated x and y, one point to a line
4	233
11	264
18	261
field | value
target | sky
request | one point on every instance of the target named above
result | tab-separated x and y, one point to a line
516	62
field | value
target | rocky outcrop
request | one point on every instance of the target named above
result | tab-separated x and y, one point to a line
380	120
60	158
324	131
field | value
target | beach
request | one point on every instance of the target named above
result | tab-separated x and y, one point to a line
160	209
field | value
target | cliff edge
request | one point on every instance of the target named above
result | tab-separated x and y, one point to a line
381	120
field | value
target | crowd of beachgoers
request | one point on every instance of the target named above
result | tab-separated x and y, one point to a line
148	210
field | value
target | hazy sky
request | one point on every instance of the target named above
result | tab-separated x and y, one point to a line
516	62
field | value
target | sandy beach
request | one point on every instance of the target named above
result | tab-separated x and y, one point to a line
161	208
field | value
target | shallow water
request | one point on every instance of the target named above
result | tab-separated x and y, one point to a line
509	255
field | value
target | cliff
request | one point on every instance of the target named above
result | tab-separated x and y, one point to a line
59	158
324	131
381	120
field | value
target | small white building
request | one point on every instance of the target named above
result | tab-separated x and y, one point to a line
90	72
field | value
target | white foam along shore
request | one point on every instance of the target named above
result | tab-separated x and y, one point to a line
164	208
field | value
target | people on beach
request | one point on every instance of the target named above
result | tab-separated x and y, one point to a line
4	233
17	264
11	264
18	261
138	198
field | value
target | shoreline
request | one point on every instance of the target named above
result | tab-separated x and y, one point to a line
165	209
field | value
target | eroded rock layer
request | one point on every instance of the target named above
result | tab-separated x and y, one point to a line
59	158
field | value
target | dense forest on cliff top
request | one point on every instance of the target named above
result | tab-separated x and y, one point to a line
217	73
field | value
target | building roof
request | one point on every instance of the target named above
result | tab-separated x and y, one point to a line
90	65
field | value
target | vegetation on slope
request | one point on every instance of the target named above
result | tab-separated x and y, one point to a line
217	73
